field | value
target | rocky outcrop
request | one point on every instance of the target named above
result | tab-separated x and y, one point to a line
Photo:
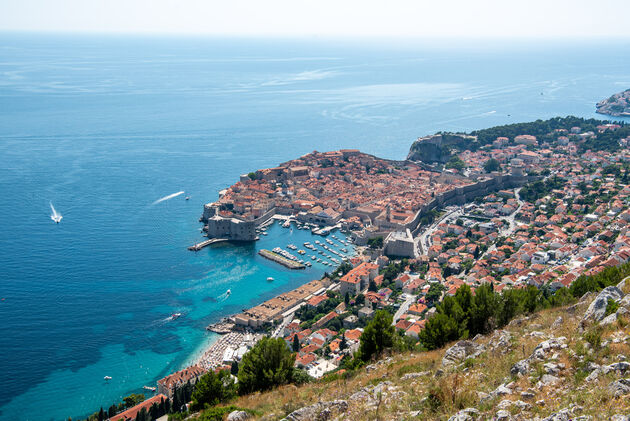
321	411
237	416
597	309
437	148
461	351
617	105
468	414
619	387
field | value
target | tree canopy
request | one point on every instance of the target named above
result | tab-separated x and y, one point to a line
377	336
268	364
213	388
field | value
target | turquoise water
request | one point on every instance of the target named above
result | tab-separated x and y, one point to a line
104	126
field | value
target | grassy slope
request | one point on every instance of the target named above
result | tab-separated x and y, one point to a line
458	388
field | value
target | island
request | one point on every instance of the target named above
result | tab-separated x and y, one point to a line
618	105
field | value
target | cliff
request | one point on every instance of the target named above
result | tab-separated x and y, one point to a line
617	105
560	364
438	148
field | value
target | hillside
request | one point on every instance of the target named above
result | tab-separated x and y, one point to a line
617	105
560	364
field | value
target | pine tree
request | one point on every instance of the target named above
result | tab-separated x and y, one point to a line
377	336
343	344
268	364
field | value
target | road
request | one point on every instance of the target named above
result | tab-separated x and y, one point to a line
511	223
404	307
424	239
278	332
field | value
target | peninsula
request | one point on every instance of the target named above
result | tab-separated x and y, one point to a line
618	105
370	196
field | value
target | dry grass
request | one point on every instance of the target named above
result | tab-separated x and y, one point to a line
457	388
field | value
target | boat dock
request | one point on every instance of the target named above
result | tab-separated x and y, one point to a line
199	246
291	264
326	230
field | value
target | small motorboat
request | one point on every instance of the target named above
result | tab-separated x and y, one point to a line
270	279
228	292
175	316
151	388
187	198
107	378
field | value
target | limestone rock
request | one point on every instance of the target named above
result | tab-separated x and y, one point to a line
501	391
564	414
597	308
468	414
625	302
619	387
544	348
237	416
461	351
321	411
553	368
557	322
521	367
502	415
620	368
548	380
501	341
410	376
527	395
609	320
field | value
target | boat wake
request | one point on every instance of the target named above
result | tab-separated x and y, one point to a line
170	196
224	296
55	216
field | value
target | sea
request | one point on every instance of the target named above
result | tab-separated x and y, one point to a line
103	126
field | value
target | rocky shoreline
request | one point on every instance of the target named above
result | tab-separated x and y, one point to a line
618	105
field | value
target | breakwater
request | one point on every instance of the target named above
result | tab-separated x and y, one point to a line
267	254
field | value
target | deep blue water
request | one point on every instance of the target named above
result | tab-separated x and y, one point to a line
104	126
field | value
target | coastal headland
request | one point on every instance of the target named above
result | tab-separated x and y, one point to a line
359	192
617	105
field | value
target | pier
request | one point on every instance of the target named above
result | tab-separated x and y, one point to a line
199	246
291	264
326	230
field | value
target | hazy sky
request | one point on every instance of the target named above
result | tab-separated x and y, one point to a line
326	18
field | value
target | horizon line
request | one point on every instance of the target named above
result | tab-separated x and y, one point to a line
317	37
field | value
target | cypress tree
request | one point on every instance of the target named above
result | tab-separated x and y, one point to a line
296	343
177	402
101	415
113	410
162	407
